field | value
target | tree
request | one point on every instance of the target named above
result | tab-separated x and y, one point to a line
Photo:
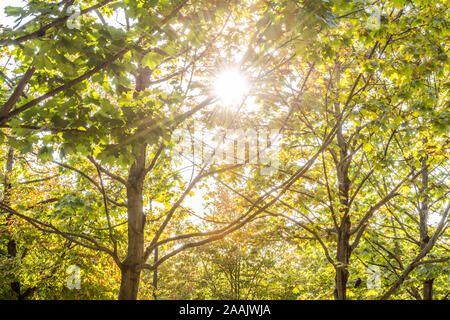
114	95
356	92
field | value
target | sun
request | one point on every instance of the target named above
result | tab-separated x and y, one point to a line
230	87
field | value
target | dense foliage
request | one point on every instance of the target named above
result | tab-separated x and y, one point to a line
99	186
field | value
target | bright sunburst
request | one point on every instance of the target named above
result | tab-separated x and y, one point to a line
230	87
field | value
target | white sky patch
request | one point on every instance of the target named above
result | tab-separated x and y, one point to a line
4	19
434	218
251	105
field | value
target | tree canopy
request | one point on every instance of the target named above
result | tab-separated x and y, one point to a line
211	149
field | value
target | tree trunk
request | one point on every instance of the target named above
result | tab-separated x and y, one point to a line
129	285
342	258
428	289
423	227
131	274
343	249
155	274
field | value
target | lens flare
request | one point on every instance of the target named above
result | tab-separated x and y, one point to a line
230	87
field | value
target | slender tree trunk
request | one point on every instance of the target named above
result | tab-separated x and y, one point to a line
131	274
155	274
129	285
343	249
342	258
423	228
